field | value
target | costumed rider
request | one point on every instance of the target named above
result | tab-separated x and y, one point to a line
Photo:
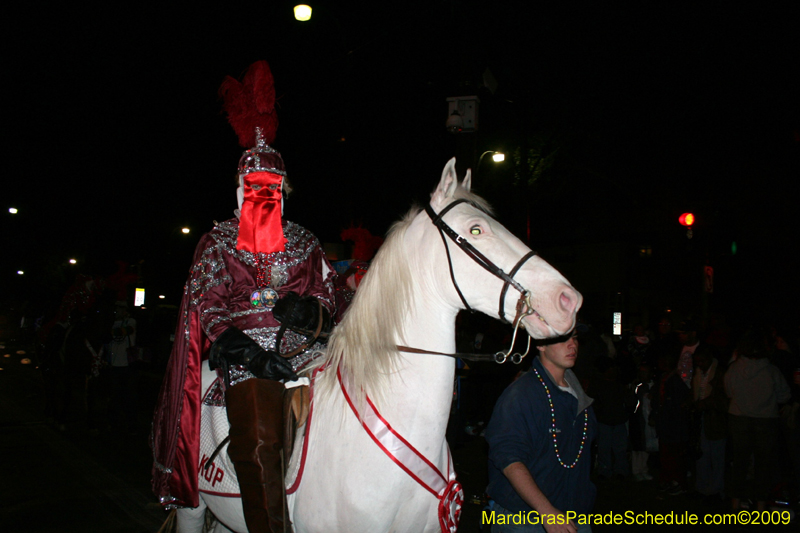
257	303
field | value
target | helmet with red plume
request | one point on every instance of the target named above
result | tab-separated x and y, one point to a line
250	106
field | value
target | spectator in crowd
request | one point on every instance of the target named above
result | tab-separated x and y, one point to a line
122	409
611	406
665	339
638	345
78	358
643	438
756	388
786	357
53	370
687	334
672	422
711	407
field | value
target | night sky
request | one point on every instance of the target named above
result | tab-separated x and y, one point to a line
114	137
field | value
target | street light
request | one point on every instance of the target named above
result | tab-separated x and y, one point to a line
185	231
13	210
497	157
302	12
72	261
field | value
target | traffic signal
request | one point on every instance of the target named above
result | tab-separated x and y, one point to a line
687	219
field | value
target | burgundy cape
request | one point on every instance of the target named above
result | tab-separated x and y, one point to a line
216	297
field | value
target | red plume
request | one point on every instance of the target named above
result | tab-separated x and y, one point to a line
366	244
250	104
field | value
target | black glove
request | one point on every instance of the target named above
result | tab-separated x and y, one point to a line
269	365
233	347
295	312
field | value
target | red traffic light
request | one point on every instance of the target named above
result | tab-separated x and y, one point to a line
686	219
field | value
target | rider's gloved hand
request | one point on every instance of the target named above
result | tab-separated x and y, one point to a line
235	348
270	365
296	312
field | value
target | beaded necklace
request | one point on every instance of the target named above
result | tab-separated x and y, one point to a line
265	296
553	423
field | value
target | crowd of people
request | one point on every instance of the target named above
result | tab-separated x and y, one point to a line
724	409
90	363
704	411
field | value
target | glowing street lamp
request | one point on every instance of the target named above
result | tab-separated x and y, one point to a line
185	231
72	261
20	272
302	12
497	157
13	210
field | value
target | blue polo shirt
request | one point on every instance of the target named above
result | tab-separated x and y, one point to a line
520	430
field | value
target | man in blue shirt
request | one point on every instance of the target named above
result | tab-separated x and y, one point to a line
539	440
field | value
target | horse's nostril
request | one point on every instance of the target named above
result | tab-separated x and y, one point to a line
568	300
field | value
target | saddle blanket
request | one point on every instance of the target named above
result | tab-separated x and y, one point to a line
218	477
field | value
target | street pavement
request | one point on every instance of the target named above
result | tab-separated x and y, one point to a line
72	480
65	480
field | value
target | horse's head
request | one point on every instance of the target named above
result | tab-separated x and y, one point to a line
511	267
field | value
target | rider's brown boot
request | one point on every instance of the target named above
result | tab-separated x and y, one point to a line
255	412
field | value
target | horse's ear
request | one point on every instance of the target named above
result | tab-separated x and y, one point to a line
467	183
447	185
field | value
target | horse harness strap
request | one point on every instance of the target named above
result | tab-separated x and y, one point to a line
467	356
523	307
499	357
310	339
511	274
444	228
476	255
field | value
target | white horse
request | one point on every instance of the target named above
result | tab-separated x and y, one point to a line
388	468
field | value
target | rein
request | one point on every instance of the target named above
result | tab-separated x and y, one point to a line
311	337
499	357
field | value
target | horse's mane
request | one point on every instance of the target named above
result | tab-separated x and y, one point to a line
364	344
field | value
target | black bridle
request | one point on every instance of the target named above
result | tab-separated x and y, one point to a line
481	259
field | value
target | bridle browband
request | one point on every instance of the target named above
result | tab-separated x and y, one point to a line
478	257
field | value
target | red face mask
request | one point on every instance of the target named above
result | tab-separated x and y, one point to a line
260	229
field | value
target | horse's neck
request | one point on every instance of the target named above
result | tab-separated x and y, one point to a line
427	380
430	326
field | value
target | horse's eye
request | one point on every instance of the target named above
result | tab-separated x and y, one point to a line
476	230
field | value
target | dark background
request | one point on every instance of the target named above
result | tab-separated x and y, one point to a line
615	119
